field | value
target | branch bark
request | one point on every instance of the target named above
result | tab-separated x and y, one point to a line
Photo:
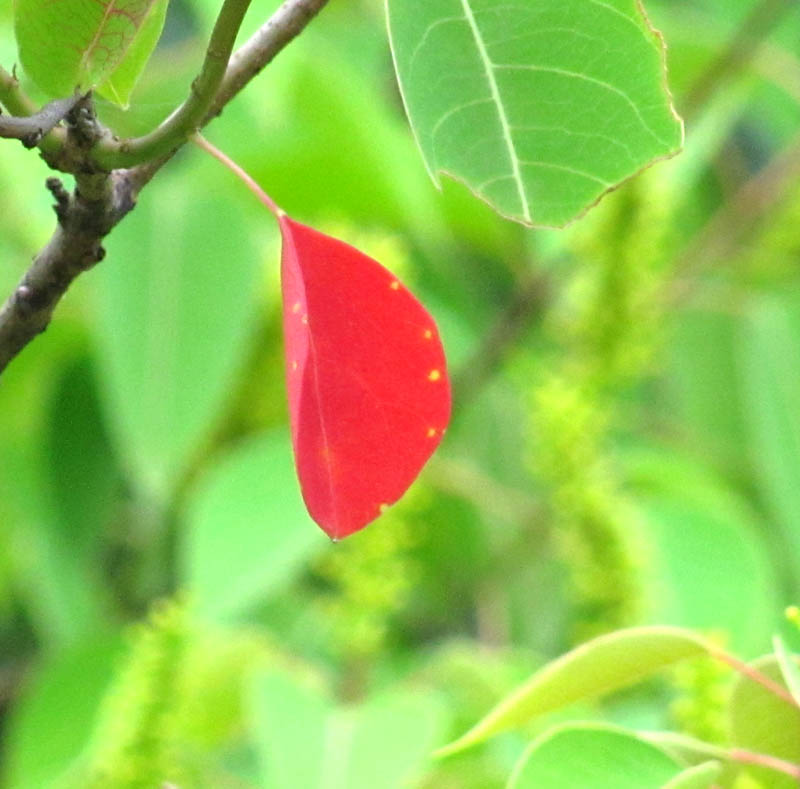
16	101
113	153
102	199
30	129
85	218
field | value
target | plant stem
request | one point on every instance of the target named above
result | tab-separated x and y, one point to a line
15	100
30	129
186	119
257	52
12	96
765	760
239	172
75	245
753	674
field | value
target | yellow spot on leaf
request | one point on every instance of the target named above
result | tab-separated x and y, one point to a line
434	375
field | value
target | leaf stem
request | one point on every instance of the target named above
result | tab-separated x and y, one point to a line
765	760
239	172
753	674
188	117
18	103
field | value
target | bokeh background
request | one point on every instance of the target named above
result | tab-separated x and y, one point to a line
625	446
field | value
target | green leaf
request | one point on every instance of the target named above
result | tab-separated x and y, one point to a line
120	84
711	596
596	755
304	741
53	722
702	776
789	667
389	739
288	724
81	44
597	667
764	723
52	566
691	511
175	304
247	528
685	749
540	108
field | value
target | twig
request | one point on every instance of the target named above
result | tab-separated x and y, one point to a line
16	101
765	760
528	302
186	119
99	203
722	234
259	50
753	674
247	62
31	128
101	200
756	26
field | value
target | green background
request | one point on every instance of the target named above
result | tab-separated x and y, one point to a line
625	446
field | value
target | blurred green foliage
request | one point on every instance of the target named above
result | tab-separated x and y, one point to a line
625	447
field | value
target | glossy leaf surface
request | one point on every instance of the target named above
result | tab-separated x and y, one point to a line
540	108
64	44
369	397
600	666
599	756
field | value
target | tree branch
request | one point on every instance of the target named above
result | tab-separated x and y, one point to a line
31	128
528	302
99	202
258	51
173	132
102	199
755	28
246	63
15	100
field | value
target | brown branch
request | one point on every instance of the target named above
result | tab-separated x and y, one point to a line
85	217
101	199
757	25
527	304
723	234
31	128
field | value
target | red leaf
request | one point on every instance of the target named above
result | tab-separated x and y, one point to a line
369	397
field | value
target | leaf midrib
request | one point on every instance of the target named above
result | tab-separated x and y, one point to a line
501	111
